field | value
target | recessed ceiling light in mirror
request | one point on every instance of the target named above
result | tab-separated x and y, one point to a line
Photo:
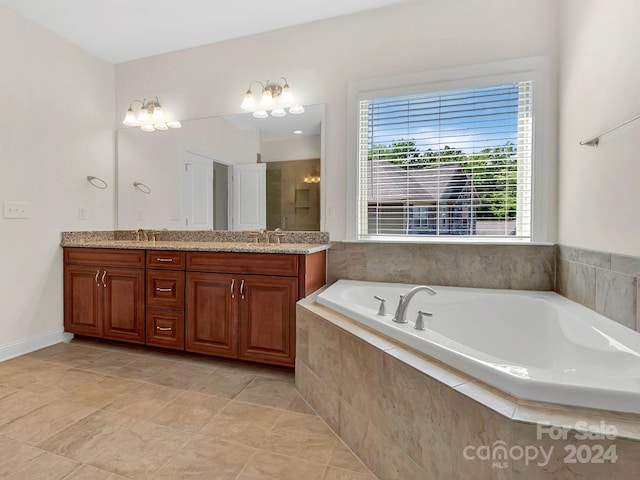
297	132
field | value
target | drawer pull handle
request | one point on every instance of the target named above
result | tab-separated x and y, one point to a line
97	273
242	289
164	329
158	289
233	284
164	259
104	283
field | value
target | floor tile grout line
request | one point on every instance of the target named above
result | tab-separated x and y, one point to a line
228	401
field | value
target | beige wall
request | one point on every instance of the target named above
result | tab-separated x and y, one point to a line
56	127
295	148
321	58
599	204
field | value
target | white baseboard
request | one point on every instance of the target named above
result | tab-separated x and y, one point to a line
31	344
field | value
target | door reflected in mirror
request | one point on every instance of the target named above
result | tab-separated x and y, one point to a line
195	175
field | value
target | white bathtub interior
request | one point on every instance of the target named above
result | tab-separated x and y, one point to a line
533	345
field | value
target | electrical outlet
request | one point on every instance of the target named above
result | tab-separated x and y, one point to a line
16	209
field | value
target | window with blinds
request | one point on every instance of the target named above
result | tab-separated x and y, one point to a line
448	163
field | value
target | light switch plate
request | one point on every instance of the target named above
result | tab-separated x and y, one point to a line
16	209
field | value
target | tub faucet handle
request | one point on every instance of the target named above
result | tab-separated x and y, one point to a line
420	319
382	311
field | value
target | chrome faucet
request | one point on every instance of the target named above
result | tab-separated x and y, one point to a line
139	232
401	312
264	234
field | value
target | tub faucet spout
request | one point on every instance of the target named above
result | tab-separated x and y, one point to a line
401	312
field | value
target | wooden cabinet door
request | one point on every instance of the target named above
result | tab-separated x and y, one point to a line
267	319
82	300
123	304
211	314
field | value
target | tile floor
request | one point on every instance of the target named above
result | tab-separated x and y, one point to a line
95	411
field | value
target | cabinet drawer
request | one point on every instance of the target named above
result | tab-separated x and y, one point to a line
106	257
165	288
165	328
247	263
164	259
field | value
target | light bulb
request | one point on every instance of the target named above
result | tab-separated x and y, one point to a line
158	113
130	118
248	103
260	114
286	97
278	112
296	110
147	128
143	115
267	102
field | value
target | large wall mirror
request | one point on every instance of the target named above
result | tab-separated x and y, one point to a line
233	172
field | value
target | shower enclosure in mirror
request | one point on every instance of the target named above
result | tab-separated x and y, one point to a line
231	172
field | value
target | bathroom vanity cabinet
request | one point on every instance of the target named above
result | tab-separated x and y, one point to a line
242	305
165	293
227	304
104	293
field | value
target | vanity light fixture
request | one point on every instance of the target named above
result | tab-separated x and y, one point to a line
311	179
150	116
275	97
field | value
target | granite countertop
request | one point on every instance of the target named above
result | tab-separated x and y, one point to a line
202	246
201	241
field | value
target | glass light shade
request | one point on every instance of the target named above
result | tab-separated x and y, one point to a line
143	115
278	112
147	128
158	113
174	124
260	114
248	103
161	126
297	110
130	118
286	97
267	102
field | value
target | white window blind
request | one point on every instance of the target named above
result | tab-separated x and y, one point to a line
449	163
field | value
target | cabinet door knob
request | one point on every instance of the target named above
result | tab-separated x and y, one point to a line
104	276
242	289
233	284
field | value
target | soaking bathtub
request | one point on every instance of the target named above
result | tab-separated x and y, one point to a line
533	345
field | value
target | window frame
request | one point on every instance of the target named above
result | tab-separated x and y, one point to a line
531	68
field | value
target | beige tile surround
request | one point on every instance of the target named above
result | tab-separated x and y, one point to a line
521	267
93	411
408	417
605	282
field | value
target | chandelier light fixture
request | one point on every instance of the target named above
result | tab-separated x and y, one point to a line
275	98
150	116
